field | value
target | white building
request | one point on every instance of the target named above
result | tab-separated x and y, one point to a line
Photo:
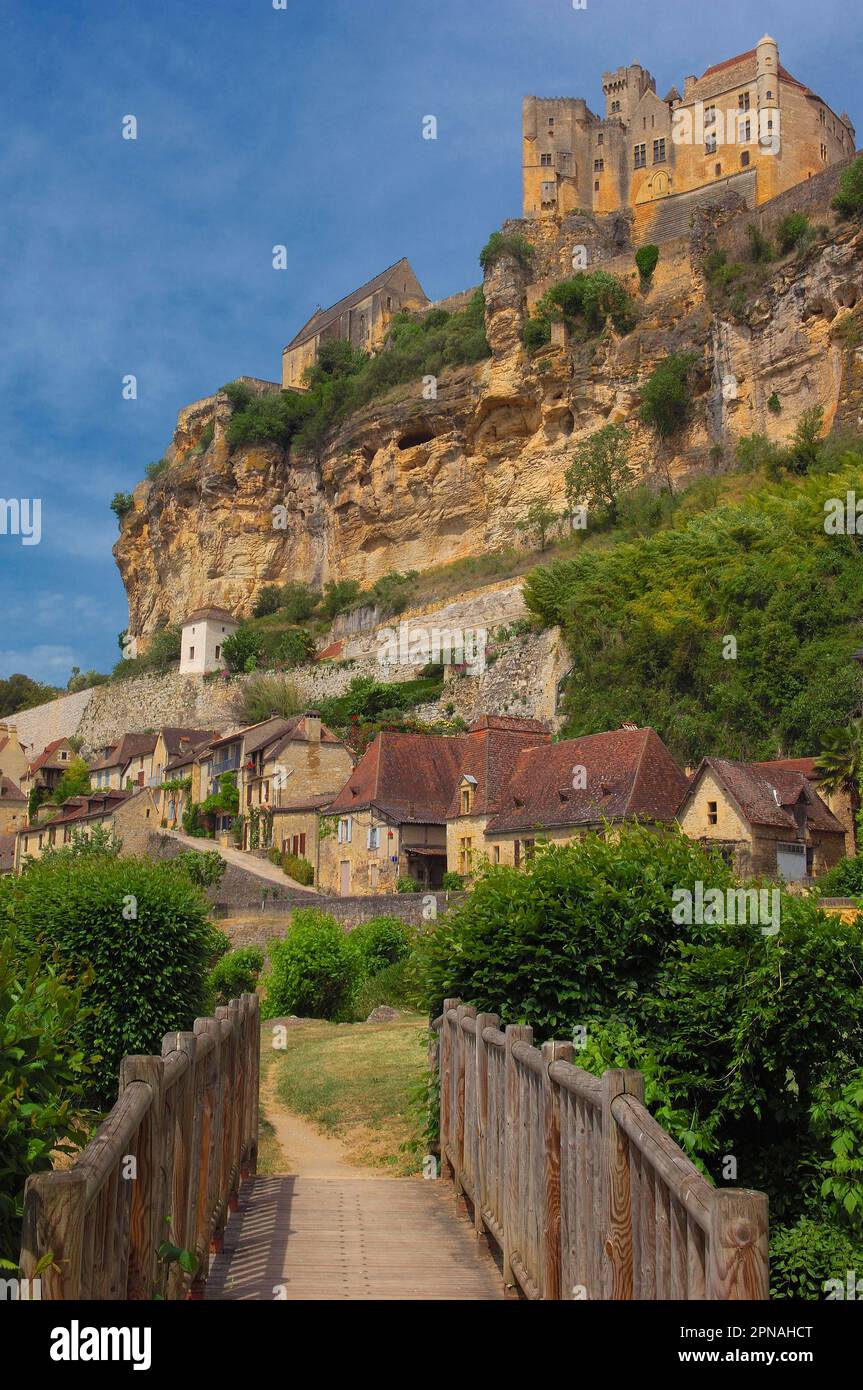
204	633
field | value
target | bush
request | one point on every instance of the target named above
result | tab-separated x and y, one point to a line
849	199
155	470
452	882
143	930
844	880
792	230
340	596
646	258
395	985
808	1253
75	781
774	405
121	503
501	244
297	868
269	600
584	302
236	973
666	399
41	1078
243	649
266	696
205	868
392	593
313	971
298	602
380	942
407	885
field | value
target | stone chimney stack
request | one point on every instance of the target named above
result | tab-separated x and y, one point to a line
313	726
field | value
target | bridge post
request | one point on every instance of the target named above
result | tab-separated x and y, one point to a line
445	1078
549	1235
513	1033
481	1094
616	1229
738	1264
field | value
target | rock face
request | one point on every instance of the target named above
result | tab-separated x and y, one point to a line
409	483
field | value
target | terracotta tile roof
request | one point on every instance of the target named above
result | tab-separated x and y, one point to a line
182	741
10	791
767	795
804	765
749	57
46	757
310	803
409	777
322	317
628	773
491	748
80	808
7	853
329	653
219	614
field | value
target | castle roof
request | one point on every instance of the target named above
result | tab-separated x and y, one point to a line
218	614
321	318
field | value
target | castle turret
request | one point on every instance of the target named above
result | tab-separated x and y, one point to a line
767	73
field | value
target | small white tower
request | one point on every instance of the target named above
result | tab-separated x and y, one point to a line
204	633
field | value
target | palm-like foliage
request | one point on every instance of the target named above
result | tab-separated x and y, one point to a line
840	762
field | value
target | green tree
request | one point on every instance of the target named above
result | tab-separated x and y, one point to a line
501	244
849	199
340	595
805	448
269	600
75	781
538	522
666	399
243	649
646	259
298	602
600	470
121	503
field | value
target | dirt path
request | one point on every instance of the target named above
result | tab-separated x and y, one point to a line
307	1152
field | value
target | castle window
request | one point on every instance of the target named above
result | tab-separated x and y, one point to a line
598	166
640	156
743	101
718	170
823	151
710	144
659	151
615	107
551	120
389	301
744	159
596	185
545	160
823	116
769	96
600	139
709	115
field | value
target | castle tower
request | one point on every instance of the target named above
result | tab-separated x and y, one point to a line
623	90
769	126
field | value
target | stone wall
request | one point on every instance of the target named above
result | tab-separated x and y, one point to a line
812	197
60	718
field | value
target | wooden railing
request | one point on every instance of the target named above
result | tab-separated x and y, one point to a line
584	1193
164	1167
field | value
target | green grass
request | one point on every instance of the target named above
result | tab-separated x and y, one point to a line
357	1081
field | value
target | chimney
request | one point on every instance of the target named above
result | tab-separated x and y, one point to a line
313	726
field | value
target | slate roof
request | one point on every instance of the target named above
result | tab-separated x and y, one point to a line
766	794
628	773
322	318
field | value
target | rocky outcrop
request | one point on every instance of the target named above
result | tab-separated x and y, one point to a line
412	483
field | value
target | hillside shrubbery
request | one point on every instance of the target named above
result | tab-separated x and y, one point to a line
583	304
645	623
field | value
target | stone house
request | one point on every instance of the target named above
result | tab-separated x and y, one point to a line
746	123
203	637
289	764
176	770
765	820
490	751
13	759
129	763
560	791
13	806
46	770
131	815
361	319
840	801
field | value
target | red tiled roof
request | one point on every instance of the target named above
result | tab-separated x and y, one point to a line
10	791
749	57
491	748
218	614
44	758
330	652
628	774
79	808
409	777
804	765
766	794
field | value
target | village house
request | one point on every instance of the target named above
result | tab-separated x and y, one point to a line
766	820
203	638
840	801
390	820
129	764
289	765
181	779
13	759
7	854
490	750
13	806
130	815
45	771
559	791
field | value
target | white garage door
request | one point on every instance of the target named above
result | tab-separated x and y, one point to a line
791	861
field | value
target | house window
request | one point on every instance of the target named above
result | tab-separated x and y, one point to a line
465	802
529	849
218	653
659	151
465	856
495	854
545	160
345	831
746	131
374	837
709	115
743	101
640	157
710	144
191	653
744	159
516	853
598	166
712	813
596	185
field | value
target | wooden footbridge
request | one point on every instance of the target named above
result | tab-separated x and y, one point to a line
558	1185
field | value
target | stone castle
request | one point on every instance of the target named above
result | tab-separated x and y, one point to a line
745	123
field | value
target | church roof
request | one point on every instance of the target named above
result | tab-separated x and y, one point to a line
321	318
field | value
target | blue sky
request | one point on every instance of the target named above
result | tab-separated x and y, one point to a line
256	127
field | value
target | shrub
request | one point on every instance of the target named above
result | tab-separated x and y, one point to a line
392	593
297	868
646	258
155	470
666	399
205	439
804	450
792	230
265	696
205	868
340	596
380	942
239	394
313	971
243	649
121	503
760	249
844	880
269	600
395	985
849	199
407	885
298	602
807	1254
501	244
236	973
452	882
774	405
41	1078
143	930
585	302
75	781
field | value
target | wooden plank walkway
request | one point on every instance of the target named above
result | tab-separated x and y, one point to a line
355	1238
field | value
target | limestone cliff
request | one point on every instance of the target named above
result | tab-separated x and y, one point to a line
410	483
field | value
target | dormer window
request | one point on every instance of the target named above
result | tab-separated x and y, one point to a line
465	801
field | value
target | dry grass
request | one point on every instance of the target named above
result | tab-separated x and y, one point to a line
358	1081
